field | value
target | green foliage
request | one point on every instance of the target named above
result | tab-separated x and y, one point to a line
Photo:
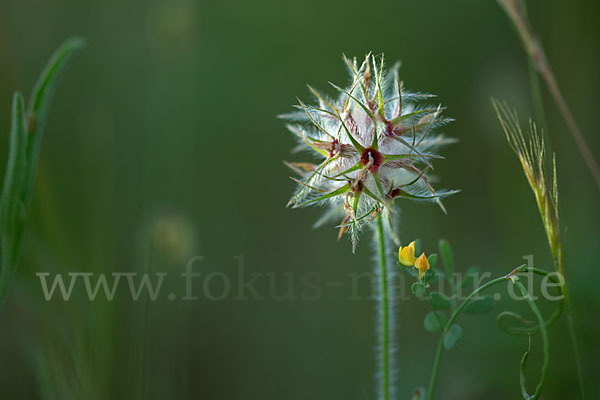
433	275
434	321
446	253
439	301
433	260
480	305
418	247
469	278
452	336
25	139
419	289
475	303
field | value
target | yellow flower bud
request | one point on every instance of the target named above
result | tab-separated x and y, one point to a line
406	255
422	264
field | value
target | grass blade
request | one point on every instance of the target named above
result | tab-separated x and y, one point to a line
12	210
38	105
25	140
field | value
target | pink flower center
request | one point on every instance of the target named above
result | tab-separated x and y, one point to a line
372	159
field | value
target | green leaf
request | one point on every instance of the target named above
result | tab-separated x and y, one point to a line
364	107
417	247
15	167
353	168
446	253
480	305
434	321
25	139
409	270
433	275
439	301
357	146
38	105
433	258
397	121
334	193
452	336
439	194
418	288
468	280
12	210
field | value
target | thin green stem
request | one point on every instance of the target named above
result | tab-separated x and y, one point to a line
436	367
384	313
438	355
531	330
546	346
532	305
479	290
559	261
572	335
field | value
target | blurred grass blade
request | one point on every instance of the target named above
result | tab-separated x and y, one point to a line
12	210
25	140
517	12
16	163
38	105
446	252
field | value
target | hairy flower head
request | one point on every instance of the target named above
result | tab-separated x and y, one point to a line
373	144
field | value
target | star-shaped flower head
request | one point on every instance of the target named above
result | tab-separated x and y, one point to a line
373	144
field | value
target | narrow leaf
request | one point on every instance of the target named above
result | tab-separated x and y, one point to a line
37	108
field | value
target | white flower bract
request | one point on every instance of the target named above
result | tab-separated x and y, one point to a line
373	145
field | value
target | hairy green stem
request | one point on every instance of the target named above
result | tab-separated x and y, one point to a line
384	314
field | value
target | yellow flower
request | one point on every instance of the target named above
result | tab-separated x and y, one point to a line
422	264
406	255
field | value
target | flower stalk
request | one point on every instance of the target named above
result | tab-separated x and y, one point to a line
374	145
383	304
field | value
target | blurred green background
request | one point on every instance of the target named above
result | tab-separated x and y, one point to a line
166	123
